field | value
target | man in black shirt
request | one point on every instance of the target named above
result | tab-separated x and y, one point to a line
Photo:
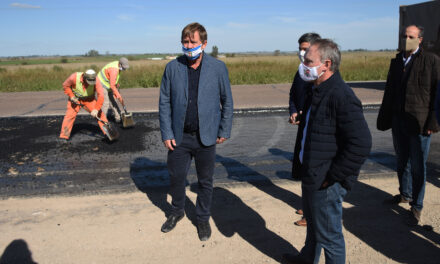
195	111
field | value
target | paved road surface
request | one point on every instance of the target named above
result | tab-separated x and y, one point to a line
53	208
34	162
146	99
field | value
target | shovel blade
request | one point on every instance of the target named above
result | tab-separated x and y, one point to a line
111	132
127	120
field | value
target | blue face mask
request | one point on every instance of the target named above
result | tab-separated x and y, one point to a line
193	53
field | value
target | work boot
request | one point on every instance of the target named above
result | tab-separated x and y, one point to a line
171	222
63	140
204	230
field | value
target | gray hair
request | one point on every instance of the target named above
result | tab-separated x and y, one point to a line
329	50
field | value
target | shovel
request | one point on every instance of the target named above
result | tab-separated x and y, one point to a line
127	118
109	130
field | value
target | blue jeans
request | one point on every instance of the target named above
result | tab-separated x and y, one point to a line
411	154
323	211
179	162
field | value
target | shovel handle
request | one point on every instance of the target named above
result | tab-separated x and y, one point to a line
99	119
125	109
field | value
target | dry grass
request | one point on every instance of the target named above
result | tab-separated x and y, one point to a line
355	66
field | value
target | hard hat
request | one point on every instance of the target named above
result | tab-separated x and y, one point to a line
90	77
124	63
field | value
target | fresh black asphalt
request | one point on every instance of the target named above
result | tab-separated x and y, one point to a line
34	162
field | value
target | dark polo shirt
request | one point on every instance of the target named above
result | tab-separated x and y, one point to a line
192	114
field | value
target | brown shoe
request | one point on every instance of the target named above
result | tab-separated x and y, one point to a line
415	217
301	222
398	198
299	211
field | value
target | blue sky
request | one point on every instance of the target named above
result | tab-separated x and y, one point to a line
55	27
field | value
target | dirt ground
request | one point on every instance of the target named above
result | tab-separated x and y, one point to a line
251	224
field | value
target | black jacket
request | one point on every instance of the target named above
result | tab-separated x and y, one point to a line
297	94
338	140
413	87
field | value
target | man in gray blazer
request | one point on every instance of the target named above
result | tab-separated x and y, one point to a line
195	111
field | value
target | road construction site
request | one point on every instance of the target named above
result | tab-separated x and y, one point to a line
89	200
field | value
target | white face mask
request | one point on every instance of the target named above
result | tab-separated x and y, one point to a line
301	55
309	74
121	69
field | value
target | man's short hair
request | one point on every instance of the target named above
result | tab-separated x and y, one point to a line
329	50
420	28
309	37
190	29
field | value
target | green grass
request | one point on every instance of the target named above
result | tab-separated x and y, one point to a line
73	59
355	66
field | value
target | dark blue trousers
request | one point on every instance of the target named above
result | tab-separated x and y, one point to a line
323	211
179	162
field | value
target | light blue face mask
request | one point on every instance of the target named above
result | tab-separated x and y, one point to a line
193	53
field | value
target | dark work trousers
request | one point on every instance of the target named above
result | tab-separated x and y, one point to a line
411	154
179	162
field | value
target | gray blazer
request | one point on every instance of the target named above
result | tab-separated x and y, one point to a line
215	105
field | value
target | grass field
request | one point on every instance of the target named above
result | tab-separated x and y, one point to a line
355	66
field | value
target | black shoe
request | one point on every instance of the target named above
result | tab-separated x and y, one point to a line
171	222
204	230
294	259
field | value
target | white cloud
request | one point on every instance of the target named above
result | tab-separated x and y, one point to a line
26	6
125	17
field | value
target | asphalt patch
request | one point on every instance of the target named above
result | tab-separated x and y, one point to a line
33	141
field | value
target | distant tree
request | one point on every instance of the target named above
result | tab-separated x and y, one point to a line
276	52
92	53
214	51
64	60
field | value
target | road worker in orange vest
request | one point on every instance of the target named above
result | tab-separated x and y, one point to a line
109	78
83	91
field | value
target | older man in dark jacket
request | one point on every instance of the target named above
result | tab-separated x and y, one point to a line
408	109
334	143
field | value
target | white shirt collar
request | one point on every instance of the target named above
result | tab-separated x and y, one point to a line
406	60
